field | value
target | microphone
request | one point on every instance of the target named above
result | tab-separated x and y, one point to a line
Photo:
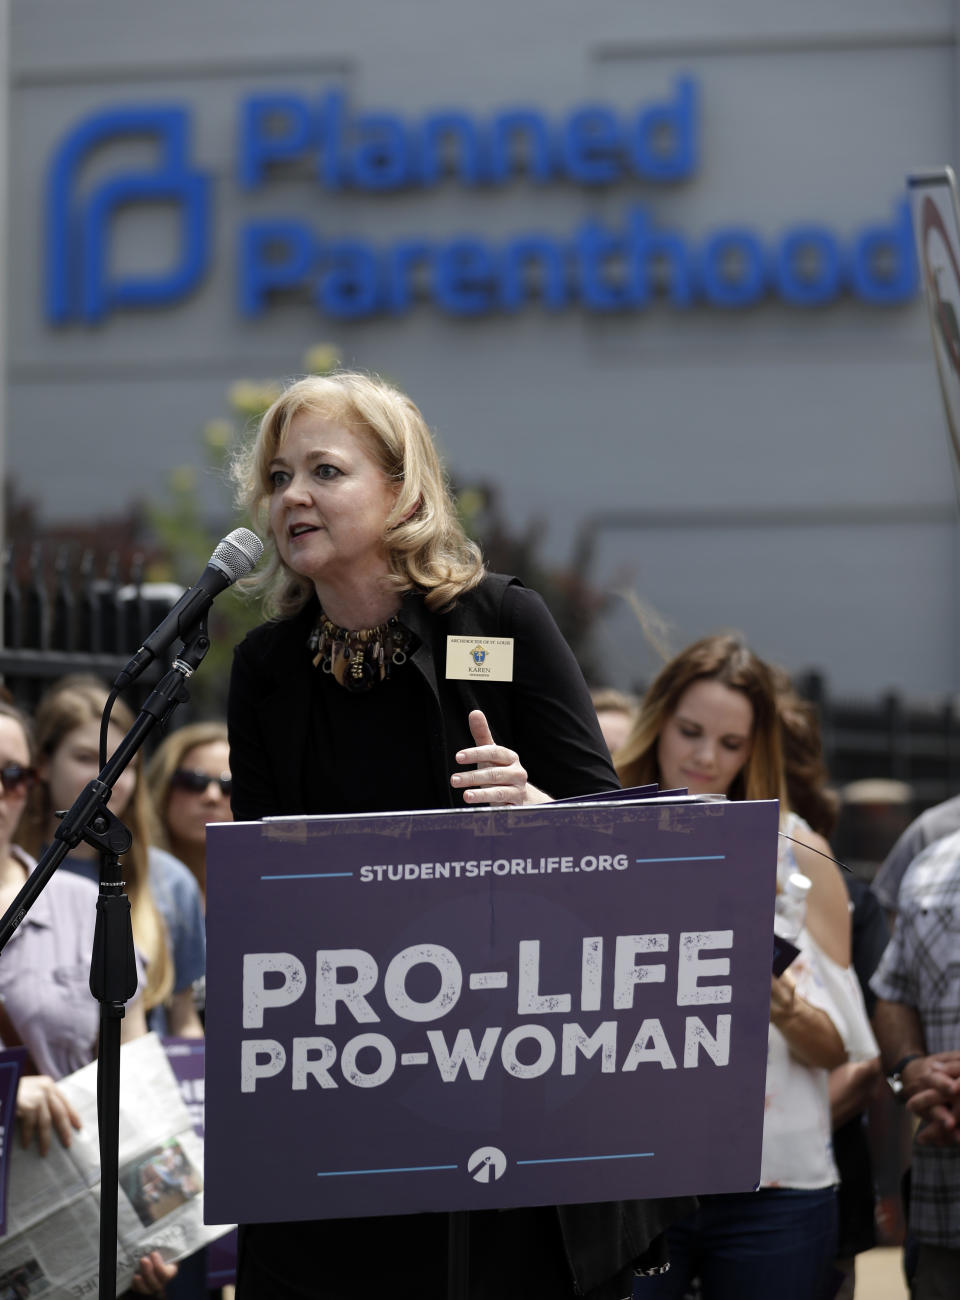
233	558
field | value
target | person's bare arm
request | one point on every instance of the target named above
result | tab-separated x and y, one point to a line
931	1082
182	1018
811	1035
134	1022
851	1087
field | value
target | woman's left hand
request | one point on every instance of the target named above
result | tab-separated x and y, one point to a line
783	996
499	776
810	1033
153	1274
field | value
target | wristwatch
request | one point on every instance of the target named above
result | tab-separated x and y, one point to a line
895	1077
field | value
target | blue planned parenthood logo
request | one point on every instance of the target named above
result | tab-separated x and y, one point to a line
79	283
630	260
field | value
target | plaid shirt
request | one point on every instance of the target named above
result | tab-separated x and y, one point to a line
921	968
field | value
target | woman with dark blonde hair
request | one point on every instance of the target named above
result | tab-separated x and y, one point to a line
189	782
709	723
723	659
672	744
164	899
358	697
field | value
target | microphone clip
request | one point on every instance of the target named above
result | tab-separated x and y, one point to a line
194	649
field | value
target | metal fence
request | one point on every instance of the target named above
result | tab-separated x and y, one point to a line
68	612
890	737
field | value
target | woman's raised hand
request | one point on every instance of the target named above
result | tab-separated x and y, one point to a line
499	777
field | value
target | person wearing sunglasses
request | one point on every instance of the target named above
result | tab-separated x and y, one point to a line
15	778
195	781
164	899
710	723
45	1001
189	783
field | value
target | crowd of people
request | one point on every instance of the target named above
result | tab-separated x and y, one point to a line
368	574
47	1006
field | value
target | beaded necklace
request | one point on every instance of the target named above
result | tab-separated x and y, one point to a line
362	659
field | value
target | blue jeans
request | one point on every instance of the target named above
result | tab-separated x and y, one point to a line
776	1243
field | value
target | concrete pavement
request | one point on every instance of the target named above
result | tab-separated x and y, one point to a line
880	1275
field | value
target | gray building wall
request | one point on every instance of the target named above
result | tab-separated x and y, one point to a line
777	469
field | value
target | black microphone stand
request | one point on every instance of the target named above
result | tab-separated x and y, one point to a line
113	971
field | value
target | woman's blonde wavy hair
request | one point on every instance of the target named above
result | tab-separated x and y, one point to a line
427	547
67	704
723	658
169	755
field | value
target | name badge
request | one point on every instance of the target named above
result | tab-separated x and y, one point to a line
484	658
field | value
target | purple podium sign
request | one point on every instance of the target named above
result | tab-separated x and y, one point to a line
481	1009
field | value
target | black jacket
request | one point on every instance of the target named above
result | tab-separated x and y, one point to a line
545	714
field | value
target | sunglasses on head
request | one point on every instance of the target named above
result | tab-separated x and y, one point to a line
14	777
194	782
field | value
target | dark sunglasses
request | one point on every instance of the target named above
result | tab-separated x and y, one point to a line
14	777
186	778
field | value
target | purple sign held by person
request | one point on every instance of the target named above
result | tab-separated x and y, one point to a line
12	1062
486	1008
186	1057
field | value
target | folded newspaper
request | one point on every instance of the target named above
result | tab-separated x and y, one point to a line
53	1221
